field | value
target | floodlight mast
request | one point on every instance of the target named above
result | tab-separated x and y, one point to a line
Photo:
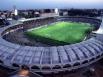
15	11
56	11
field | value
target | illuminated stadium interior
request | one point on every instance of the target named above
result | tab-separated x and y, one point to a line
51	31
63	32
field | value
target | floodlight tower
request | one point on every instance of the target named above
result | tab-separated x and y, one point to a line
15	11
56	11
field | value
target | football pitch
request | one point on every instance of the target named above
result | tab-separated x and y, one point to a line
61	32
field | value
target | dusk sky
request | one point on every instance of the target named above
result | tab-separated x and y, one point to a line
33	4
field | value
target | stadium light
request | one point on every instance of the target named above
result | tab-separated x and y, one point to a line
16	12
56	11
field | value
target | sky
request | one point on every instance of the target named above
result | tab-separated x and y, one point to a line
39	4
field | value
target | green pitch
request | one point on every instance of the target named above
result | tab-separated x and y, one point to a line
61	32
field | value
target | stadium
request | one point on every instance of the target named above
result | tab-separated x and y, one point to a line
44	45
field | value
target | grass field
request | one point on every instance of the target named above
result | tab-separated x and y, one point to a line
65	32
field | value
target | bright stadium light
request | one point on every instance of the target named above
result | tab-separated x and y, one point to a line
56	11
15	12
